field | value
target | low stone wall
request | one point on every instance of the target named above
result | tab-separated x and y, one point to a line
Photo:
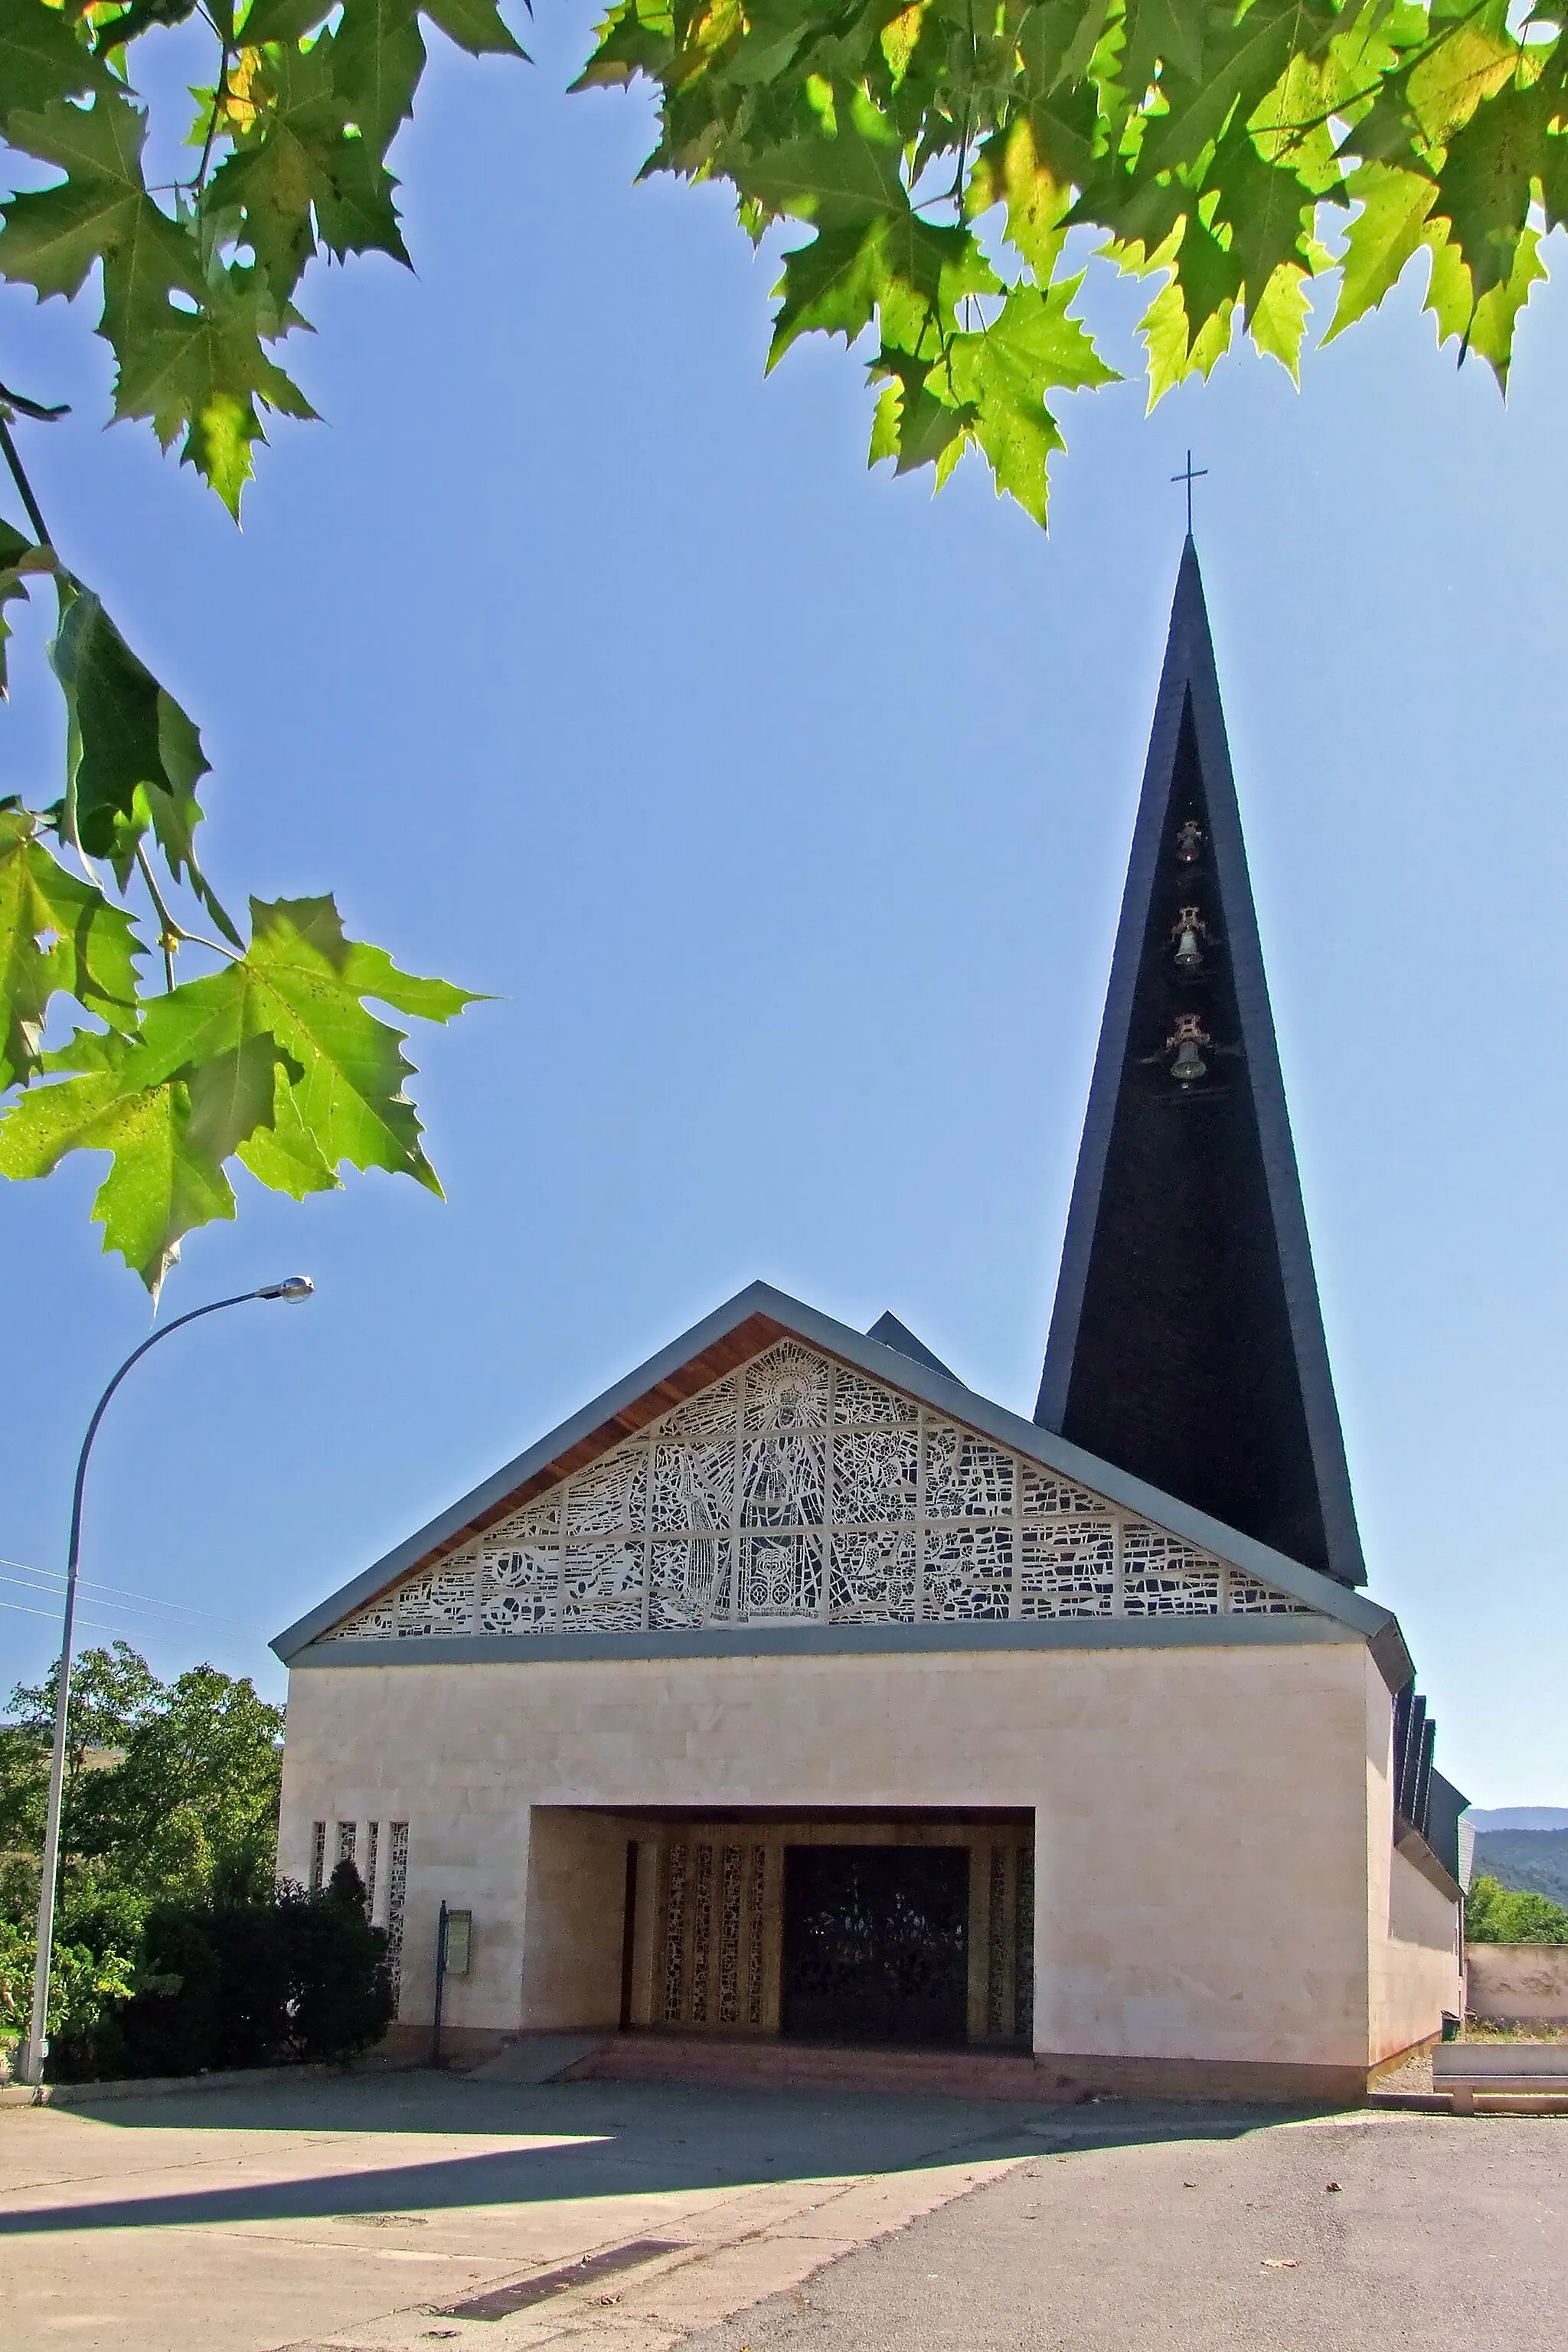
1522	1983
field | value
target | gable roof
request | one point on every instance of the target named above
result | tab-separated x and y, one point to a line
741	1329
1186	1341
894	1334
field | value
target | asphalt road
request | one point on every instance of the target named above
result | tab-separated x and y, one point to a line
1381	2231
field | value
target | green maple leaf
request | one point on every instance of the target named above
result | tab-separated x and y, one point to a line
356	213
58	936
283	1154
282	167
830	285
275	1060
168	1139
1497	312
1390	227
1175	352
378	56
635	37
1186	329
301	160
134	758
1032	348
1163	32
1484	178
1268	213
872	252
1029	166
845	180
310	980
301	981
1242	82
20	560
202	373
893	263
283	21
41	59
101	212
1278	324
475	26
1554	169
1484	326
1478	57
1291	123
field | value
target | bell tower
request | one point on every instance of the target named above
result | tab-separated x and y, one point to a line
1186	1342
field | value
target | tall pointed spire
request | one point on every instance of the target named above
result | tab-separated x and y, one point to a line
1186	1342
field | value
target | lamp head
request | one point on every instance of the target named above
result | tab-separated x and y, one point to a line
297	1288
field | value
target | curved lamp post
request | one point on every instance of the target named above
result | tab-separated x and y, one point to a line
298	1287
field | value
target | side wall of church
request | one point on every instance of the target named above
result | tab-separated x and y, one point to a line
1412	1928
1201	1819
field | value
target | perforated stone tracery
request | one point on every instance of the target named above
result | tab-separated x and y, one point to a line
798	1490
396	1897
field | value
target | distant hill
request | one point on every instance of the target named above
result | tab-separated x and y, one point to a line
1519	1817
1532	1862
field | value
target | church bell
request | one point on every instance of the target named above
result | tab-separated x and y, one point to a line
1189	923
1189	1038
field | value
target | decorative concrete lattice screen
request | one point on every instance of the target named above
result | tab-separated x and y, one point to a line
797	1491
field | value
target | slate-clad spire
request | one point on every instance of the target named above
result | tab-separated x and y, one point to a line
1186	1342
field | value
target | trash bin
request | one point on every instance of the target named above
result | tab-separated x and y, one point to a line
1451	2025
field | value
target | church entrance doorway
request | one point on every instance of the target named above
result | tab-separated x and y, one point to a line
875	1944
904	1926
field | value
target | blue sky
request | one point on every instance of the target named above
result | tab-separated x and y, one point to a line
785	813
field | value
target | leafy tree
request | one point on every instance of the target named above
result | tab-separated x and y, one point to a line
197	1789
176	1949
191	1794
80	1982
24	1784
270	1054
942	155
1495	1914
113	1692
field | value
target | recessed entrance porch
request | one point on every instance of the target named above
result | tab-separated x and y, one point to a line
892	1929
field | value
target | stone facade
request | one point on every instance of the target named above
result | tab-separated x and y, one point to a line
1208	1824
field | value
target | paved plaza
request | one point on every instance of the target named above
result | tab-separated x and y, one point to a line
358	2213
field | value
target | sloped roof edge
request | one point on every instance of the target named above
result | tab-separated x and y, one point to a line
775	1315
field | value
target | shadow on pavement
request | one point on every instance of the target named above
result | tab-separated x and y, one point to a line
601	2140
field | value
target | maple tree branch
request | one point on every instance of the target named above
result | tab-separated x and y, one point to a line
173	933
1407	64
19	476
219	95
168	938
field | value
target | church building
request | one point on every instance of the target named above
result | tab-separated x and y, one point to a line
793	1710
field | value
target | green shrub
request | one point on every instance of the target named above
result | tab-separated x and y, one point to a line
241	1980
344	2001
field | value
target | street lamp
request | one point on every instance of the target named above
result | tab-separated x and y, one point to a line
297	1288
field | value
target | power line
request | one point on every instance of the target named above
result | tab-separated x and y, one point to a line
98	1624
49	1580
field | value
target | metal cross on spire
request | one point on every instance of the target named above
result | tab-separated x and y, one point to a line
1190	478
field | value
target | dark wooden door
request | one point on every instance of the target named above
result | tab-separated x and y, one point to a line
876	1943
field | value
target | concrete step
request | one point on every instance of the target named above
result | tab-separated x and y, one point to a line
792	2065
535	2058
